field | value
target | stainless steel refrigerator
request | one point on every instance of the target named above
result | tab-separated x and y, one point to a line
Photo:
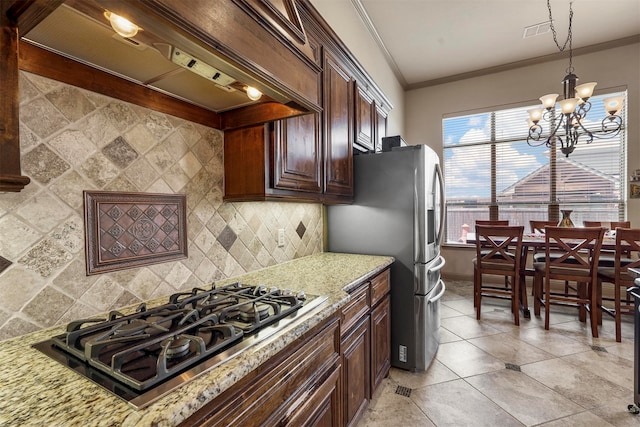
398	211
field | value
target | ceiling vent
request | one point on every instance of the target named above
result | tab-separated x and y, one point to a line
536	30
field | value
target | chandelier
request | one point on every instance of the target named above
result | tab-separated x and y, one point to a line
568	128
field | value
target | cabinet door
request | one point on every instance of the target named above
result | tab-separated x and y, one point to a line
338	117
364	120
297	156
322	408
356	371
380	343
380	126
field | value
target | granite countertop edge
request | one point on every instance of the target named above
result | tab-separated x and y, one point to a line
39	391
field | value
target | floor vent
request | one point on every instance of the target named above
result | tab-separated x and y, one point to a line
599	348
403	391
512	367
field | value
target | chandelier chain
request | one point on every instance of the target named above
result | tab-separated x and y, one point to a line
569	34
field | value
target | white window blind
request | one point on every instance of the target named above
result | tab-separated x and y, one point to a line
487	162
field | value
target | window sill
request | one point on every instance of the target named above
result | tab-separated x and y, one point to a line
458	245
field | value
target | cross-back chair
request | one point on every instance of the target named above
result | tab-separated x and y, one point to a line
620	224
592	223
620	277
606	257
538	226
492	222
612	224
499	253
578	263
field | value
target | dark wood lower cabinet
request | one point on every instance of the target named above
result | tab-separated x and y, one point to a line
324	378
380	342
366	344
356	370
299	386
323	409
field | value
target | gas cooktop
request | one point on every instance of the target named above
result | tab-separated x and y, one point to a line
145	355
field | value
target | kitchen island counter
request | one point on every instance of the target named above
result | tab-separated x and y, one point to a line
37	390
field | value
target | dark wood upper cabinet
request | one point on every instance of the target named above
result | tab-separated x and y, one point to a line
11	178
305	129
364	120
380	126
281	16
338	127
275	161
297	156
246	156
310	157
260	40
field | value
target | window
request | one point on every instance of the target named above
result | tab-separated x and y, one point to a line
488	166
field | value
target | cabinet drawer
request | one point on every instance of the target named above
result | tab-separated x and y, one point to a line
356	308
380	286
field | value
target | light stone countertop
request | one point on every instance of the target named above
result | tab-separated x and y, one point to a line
38	391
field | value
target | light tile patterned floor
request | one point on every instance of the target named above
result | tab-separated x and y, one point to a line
493	373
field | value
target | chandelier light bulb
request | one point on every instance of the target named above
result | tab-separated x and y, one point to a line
548	101
585	90
568	105
121	25
253	93
613	105
535	115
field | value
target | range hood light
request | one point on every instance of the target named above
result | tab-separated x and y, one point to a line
253	93
121	25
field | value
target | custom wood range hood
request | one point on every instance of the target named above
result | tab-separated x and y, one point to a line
234	44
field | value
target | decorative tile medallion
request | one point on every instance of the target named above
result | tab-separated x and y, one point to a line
126	230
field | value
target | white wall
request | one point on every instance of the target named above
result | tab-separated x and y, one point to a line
343	18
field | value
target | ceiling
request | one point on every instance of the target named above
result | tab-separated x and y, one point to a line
430	42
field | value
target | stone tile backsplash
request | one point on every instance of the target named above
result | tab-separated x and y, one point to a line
74	140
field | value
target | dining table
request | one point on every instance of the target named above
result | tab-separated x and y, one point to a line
537	240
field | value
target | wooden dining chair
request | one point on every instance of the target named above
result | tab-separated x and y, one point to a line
495	222
492	222
578	264
607	255
619	224
592	223
620	277
498	253
538	226
612	225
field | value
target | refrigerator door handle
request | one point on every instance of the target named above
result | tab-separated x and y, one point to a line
440	180
438	267
419	248
440	294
